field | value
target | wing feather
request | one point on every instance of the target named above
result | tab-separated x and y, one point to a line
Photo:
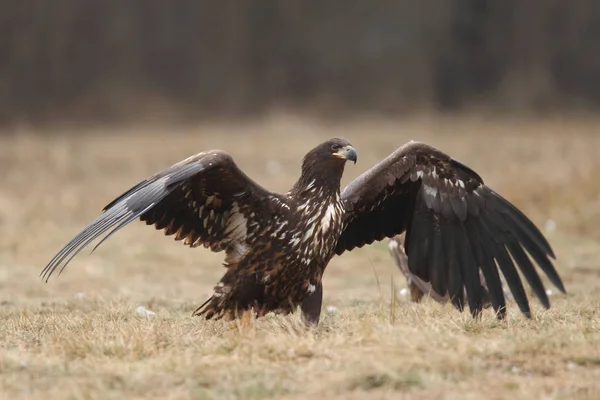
470	270
457	228
437	260
454	274
480	242
197	200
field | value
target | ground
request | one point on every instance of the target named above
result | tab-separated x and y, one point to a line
83	335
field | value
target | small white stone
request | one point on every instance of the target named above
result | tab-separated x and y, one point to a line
515	370
331	309
549	292
571	365
403	292
79	295
143	312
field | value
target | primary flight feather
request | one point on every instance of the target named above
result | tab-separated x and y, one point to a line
277	246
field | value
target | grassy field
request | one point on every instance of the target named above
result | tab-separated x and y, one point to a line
80	336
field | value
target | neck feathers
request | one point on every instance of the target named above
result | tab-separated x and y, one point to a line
323	176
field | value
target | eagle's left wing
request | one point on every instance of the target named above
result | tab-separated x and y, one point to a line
455	226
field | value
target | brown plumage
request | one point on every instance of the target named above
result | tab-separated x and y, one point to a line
277	246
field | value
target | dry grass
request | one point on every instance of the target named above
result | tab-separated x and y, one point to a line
79	336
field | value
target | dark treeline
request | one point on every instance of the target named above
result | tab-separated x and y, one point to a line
104	59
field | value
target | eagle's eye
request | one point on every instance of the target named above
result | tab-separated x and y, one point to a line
335	147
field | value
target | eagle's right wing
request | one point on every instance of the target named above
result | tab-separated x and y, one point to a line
205	199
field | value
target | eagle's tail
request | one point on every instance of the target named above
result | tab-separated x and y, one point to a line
205	310
216	306
233	296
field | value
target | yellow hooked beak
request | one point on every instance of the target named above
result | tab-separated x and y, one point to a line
347	153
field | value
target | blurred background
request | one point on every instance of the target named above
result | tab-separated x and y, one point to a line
116	61
96	95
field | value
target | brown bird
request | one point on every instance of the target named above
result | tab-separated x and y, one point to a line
277	246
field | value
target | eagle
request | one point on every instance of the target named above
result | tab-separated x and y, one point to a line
277	245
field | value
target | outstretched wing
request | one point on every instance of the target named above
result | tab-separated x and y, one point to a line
204	200
455	226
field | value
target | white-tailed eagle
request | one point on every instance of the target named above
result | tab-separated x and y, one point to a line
277	245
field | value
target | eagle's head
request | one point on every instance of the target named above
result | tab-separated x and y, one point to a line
324	164
335	151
